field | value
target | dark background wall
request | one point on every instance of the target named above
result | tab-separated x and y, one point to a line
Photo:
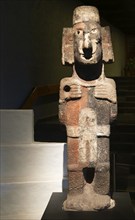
17	73
31	46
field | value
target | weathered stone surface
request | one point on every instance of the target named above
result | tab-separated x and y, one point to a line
87	105
67	46
108	55
76	182
83	202
85	13
87	137
73	153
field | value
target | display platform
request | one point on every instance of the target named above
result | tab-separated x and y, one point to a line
122	211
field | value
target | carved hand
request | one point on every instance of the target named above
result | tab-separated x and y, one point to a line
105	91
72	91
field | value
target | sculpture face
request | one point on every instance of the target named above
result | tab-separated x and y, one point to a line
87	42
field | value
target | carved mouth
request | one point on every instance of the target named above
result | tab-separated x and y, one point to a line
87	53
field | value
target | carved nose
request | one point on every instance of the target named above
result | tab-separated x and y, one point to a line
86	43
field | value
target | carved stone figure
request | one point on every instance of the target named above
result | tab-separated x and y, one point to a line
87	105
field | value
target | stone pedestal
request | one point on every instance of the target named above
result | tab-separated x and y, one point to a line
122	211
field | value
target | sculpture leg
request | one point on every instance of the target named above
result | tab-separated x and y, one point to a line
82	154
76	182
102	170
75	175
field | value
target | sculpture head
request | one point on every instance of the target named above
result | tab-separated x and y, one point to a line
87	42
87	35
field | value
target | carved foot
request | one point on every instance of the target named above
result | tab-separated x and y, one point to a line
112	204
88	201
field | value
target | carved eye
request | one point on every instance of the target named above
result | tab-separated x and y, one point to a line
94	31
79	32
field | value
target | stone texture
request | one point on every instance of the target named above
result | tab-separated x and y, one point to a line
87	105
108	55
67	46
83	202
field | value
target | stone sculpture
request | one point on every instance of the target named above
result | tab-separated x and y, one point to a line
87	105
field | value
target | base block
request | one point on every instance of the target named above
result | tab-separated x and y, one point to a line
123	209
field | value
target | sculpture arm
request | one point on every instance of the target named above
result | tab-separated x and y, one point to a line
69	90
106	90
114	107
113	111
62	107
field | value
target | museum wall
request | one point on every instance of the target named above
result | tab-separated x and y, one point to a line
31	47
119	48
17	70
